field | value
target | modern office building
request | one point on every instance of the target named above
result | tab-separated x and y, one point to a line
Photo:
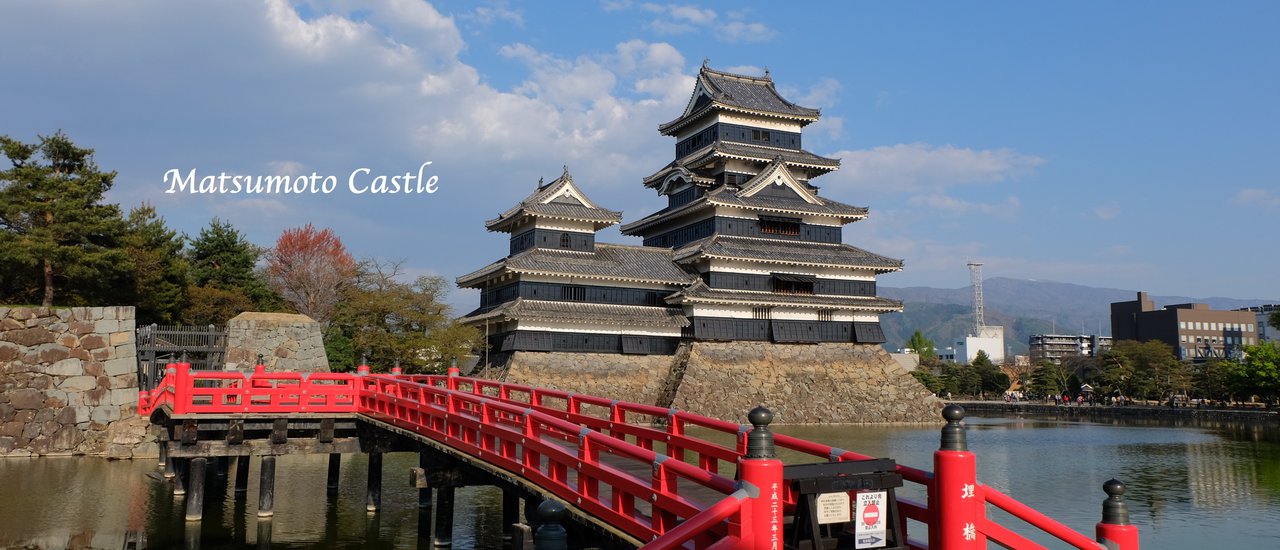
1056	347
1265	330
1193	330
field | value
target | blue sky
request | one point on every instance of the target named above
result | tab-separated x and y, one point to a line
1126	145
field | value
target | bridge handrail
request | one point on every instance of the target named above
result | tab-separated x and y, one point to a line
1033	517
512	425
468	422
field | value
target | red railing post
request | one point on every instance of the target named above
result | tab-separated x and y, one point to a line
1114	531
955	500
181	387
760	471
453	374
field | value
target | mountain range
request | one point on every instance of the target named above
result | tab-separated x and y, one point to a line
1023	307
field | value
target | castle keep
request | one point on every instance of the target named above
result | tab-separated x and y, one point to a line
746	253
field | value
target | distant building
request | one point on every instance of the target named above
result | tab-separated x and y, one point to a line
1056	347
1193	330
1263	313
990	339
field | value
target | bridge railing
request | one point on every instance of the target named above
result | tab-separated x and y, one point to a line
585	449
583	466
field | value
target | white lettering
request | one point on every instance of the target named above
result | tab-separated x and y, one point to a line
178	183
330	183
351	181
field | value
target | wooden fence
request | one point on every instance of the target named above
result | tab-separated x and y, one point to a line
202	346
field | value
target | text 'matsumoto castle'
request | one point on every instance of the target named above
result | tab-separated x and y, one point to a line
746	249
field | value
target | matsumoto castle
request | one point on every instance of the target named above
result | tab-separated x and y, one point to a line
746	249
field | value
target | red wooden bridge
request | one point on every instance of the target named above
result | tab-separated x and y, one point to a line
660	478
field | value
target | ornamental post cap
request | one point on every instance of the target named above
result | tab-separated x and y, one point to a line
760	416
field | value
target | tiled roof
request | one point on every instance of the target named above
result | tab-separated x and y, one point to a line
605	314
537	204
827	206
700	292
779	251
748	93
722	148
609	261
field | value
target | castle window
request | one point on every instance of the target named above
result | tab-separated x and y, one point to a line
564	241
786	283
826	314
573	293
761	313
760	136
779	226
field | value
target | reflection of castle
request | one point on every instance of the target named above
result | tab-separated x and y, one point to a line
746	249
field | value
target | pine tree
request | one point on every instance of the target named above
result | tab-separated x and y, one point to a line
222	259
52	222
159	269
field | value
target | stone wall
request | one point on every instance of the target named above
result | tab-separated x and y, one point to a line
803	383
287	341
814	383
636	378
68	383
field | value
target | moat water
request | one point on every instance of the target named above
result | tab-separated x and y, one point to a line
1190	487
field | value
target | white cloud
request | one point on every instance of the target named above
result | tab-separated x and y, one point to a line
920	167
1107	210
741	31
956	207
1261	198
284	167
676	19
488	15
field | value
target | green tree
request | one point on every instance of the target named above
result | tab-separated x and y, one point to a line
991	379
52	221
221	258
960	379
1212	379
1148	370
1049	379
923	347
929	381
393	321
1259	373
1274	319
157	282
213	306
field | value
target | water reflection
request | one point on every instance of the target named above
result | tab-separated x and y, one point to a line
1191	485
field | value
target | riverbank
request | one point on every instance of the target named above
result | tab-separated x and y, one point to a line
1024	408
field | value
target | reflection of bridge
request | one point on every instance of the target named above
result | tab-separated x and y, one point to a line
630	474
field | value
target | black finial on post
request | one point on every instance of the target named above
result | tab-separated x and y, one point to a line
953	438
551	534
260	358
184	358
760	439
1114	510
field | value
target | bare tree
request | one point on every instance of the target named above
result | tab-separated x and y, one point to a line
310	269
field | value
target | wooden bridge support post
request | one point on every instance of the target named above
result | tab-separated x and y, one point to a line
195	498
374	493
424	493
1114	531
510	515
444	518
266	488
264	534
955	498
760	525
335	467
242	476
166	461
179	476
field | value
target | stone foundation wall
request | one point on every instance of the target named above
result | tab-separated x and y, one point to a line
803	383
815	383
636	378
68	383
287	341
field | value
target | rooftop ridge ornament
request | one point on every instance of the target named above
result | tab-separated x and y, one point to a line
565	176
539	184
